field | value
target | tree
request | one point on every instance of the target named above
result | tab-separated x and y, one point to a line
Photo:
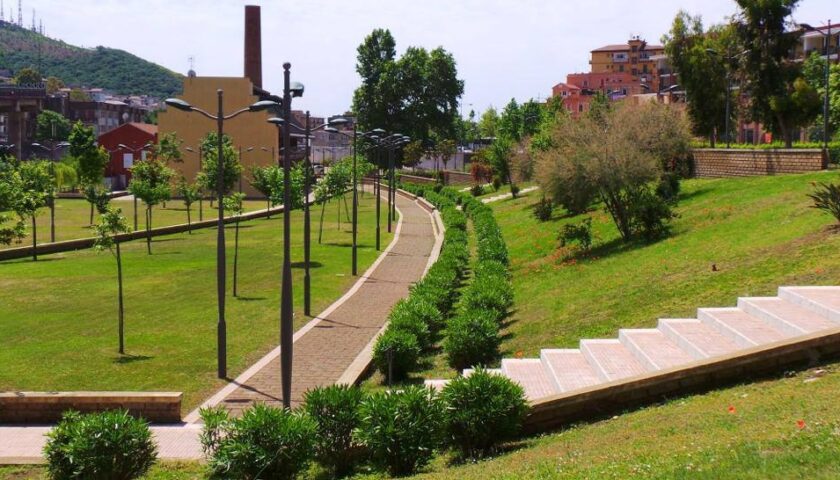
444	150
762	28
10	191
150	182
510	122
488	123
91	161
266	181
28	76
54	84
111	224
813	70
413	153
498	156
78	95
51	127
36	190
208	176
189	193
797	108
233	204
168	148
336	182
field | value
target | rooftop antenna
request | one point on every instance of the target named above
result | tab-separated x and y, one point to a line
33	21
2	12
20	13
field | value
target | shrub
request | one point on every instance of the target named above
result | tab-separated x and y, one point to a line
579	234
401	429
543	210
492	268
668	188
650	214
335	410
215	420
100	446
472	338
482	411
401	318
497	183
396	353
514	190
266	442
827	198
477	190
421	308
489	293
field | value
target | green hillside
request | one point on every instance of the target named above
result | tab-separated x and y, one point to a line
108	68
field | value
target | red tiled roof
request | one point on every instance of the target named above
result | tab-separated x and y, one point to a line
620	47
567	85
146	127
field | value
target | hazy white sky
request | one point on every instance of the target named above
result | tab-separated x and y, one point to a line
504	48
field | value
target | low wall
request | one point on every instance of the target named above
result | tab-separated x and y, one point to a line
452	177
723	162
417	180
47	407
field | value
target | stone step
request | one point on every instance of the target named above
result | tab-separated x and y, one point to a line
529	373
746	330
653	349
610	359
569	369
784	315
822	300
698	339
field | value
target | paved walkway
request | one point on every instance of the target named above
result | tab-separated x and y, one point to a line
509	195
335	346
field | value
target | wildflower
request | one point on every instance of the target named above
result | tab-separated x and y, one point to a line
800	424
731	409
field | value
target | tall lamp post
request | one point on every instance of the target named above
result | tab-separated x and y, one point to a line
52	151
728	58
827	52
392	182
134	151
220	117
286	311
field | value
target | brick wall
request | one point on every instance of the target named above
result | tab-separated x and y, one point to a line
720	162
452	177
47	407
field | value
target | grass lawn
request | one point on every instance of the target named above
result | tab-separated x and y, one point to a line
58	316
72	217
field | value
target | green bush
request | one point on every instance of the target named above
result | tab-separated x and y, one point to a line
215	421
335	410
100	446
482	411
421	308
579	234
489	293
405	320
477	190
492	268
543	210
827	198
497	183
266	442
650	214
401	429
396	353
472	339
668	188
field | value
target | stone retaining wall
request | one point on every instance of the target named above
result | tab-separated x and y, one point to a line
722	162
47	407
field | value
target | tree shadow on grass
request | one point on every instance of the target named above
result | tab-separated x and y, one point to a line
250	299
311	264
507	448
28	259
127	359
700	192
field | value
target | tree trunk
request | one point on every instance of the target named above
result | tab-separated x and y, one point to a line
321	228
34	240
268	208
149	229
52	220
235	255
189	220
339	214
346	215
91	215
121	326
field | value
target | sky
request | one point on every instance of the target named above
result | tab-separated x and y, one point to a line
503	48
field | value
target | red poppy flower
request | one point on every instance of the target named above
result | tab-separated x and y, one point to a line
800	424
731	409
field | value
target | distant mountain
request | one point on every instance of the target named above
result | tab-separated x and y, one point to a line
108	68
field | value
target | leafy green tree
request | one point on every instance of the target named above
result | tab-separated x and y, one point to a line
813	70
27	76
107	230
233	204
499	158
336	183
798	108
266	180
413	153
150	182
90	160
54	84
510	122
51	127
189	193
208	176
36	190
10	190
78	95
488	123
168	148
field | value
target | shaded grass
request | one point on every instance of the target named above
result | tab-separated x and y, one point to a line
58	318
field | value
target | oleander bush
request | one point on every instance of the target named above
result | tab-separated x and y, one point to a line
336	412
472	339
266	442
490	293
483	410
100	446
401	429
396	353
491	268
401	318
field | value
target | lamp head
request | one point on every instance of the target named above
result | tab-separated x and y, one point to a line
38	145
378	131
63	144
277	121
179	104
263	105
296	89
123	146
338	121
331	129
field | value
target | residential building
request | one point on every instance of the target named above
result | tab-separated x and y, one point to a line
19	109
135	136
101	116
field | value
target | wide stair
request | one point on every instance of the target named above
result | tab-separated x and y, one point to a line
722	344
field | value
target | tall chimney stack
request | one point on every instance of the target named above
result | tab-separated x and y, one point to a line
253	45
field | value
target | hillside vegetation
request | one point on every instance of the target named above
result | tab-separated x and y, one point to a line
108	68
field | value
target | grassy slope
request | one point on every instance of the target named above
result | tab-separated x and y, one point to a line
72	216
58	316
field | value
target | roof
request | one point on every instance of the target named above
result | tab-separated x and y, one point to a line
620	47
567	85
146	127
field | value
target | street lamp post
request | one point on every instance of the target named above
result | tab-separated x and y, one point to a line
52	151
220	117
827	53
134	151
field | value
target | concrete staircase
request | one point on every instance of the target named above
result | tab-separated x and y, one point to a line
801	322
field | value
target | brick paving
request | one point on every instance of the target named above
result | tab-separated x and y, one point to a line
324	352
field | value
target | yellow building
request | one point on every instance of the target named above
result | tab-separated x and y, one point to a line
257	139
633	57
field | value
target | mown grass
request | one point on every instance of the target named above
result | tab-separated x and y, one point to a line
58	316
72	218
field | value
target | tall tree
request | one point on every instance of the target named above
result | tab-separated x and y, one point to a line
27	76
10	191
90	161
510	122
813	70
488	123
189	193
110	226
150	182
36	189
51	127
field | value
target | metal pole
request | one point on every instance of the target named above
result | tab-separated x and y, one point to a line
200	190
728	95
826	100
306	224
390	163
221	332
355	205
286	312
377	193
393	186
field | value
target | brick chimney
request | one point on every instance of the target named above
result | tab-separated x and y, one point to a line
253	45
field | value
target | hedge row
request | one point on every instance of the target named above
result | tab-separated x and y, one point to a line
416	321
473	336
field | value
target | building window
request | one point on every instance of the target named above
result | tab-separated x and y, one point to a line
580	108
128	160
621	68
